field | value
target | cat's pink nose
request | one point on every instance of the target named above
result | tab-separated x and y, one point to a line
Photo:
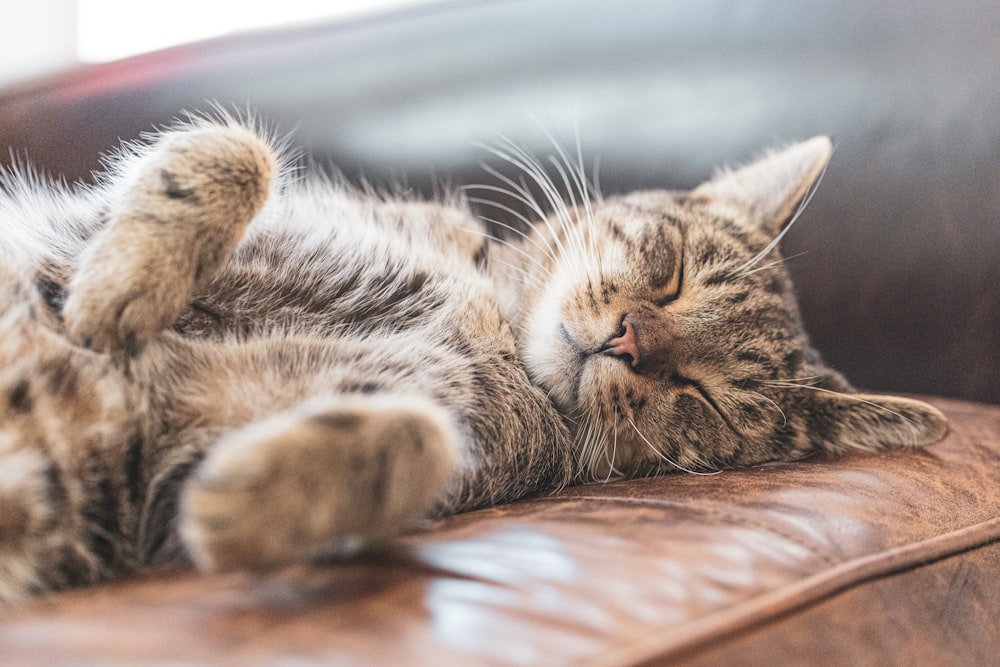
625	344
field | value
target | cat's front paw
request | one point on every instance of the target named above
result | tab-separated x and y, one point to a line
179	212
104	315
330	477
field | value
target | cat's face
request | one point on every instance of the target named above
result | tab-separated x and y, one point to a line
664	328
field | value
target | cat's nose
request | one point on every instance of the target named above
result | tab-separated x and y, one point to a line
625	344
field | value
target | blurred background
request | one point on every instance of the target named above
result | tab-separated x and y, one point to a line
898	256
44	36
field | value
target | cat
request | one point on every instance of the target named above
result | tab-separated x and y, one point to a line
207	359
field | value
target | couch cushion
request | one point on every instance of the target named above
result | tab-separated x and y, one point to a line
680	566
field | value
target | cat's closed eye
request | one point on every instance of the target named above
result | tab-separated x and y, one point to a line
672	291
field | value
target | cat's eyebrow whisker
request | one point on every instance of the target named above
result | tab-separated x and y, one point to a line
580	184
532	168
518	191
512	246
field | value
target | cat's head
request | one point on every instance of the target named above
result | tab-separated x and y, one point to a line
664	325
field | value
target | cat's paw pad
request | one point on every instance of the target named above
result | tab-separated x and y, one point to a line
315	481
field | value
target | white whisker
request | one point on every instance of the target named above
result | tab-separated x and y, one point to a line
518	191
529	166
769	265
527	237
777	239
776	406
663	456
851	397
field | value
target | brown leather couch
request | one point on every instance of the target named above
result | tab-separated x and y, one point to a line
864	559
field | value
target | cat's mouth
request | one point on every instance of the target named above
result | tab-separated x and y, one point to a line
578	365
580	356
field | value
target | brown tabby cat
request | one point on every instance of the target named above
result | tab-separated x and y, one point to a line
203	359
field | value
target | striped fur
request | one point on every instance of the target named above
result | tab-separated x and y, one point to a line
204	359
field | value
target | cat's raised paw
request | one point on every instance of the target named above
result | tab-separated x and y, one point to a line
328	477
183	209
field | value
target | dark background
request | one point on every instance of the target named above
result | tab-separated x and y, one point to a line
899	278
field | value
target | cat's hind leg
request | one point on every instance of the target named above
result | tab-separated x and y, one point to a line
178	211
327	477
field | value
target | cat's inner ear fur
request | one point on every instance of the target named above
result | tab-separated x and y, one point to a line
870	422
769	190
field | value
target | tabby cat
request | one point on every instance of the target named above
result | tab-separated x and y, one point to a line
206	359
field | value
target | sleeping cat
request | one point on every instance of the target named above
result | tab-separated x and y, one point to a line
204	359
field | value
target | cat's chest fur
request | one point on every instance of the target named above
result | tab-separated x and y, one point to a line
329	263
385	299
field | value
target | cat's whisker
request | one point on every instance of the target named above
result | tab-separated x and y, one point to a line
528	256
527	276
663	456
573	220
518	190
534	169
518	163
777	407
584	448
528	166
809	379
614	450
518	193
579	186
850	397
769	265
571	230
777	239
507	209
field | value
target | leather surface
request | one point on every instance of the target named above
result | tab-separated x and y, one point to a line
858	560
951	619
670	568
898	280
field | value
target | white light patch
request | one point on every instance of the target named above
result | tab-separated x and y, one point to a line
113	29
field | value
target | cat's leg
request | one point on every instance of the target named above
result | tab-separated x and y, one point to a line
28	545
179	211
329	476
61	524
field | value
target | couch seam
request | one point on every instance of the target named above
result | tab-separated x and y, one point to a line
762	609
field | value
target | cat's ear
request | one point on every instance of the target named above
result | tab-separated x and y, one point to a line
845	421
770	189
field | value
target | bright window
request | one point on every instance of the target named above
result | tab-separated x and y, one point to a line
41	36
112	29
